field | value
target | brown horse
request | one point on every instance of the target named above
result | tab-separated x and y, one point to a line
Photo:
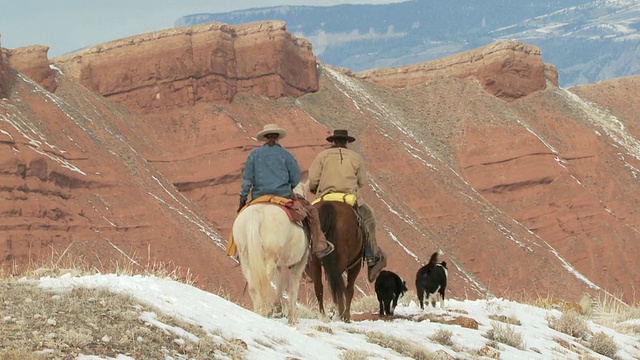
339	223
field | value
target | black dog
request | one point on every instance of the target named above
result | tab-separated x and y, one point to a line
432	280
389	287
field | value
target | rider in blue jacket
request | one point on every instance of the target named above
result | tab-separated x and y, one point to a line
272	170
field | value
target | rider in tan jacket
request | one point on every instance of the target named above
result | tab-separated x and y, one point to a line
342	170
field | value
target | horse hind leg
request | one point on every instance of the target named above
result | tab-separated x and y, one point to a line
266	289
352	275
279	281
259	283
295	276
255	294
315	272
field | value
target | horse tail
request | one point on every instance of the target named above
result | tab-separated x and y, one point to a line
328	218
257	273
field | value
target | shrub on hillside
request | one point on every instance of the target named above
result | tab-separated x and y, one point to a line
603	344
569	323
506	334
442	337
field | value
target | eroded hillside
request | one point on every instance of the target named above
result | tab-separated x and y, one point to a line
529	189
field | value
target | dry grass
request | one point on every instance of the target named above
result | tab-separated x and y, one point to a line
606	310
354	355
603	344
128	264
442	337
366	304
39	324
506	319
570	323
505	334
370	304
610	312
45	325
561	305
400	346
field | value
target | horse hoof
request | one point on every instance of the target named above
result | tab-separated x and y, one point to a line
331	314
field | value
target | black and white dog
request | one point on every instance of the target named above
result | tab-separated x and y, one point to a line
389	287
431	280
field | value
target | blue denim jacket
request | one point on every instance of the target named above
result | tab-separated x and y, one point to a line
270	170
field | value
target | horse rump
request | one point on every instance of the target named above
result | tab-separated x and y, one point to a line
270	248
339	223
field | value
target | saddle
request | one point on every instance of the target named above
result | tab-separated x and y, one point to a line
350	199
336	196
293	208
295	211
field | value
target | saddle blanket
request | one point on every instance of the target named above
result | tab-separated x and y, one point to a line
295	213
342	197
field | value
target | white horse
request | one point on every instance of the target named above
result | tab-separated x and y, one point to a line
270	247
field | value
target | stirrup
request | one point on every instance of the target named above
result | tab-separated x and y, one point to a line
374	260
328	250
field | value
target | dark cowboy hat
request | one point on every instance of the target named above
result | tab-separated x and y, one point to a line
341	134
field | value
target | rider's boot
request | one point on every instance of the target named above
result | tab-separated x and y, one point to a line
375	257
375	265
319	244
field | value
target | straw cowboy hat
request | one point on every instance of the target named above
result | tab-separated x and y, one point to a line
341	134
271	129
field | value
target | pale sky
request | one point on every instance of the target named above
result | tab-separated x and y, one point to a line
69	25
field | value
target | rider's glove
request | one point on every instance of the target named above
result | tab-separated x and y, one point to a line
243	202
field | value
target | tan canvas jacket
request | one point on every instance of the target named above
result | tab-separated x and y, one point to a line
337	170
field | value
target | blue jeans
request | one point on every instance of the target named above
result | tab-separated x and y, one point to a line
368	254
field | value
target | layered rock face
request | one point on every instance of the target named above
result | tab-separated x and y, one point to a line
5	72
508	70
33	62
528	189
210	63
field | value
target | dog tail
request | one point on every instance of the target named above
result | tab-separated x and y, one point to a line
434	258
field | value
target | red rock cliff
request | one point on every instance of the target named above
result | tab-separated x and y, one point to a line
211	62
5	72
534	196
507	69
33	62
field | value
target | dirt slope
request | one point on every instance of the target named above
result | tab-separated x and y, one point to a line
136	156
